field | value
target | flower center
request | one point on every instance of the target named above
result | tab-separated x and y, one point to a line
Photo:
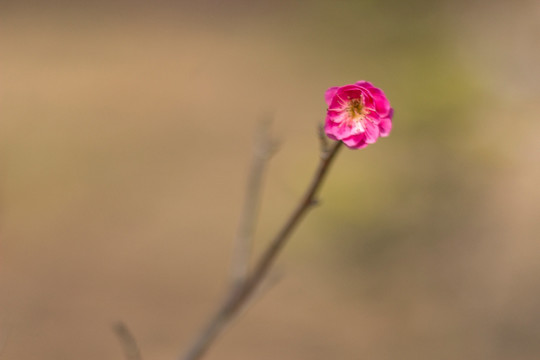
356	109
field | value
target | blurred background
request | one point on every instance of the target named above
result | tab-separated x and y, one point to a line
126	133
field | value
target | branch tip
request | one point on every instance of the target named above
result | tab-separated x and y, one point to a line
127	341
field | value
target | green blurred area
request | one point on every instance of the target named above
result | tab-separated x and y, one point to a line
126	130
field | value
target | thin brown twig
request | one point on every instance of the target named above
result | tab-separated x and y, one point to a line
323	140
127	340
265	147
238	297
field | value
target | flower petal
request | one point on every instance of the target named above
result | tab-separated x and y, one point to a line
382	105
374	117
343	130
356	142
385	125
336	131
329	95
372	132
337	116
364	83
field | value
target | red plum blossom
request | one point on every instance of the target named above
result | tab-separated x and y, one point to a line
358	114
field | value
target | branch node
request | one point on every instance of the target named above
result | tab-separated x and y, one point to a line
314	202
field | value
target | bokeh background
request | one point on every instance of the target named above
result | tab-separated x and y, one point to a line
126	131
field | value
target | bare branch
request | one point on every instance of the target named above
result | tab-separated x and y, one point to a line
238	297
127	340
264	148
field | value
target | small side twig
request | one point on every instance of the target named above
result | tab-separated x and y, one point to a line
128	342
239	296
323	140
264	148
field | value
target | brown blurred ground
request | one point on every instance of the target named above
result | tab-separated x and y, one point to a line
125	134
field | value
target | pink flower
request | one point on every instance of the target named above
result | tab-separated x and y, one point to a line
357	114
